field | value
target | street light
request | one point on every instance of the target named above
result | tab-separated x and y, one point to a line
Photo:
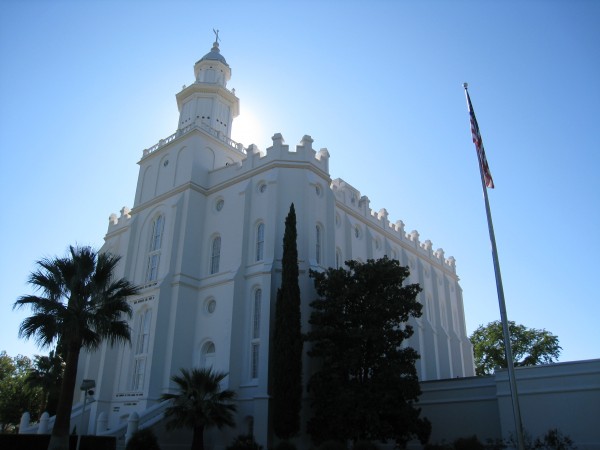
88	387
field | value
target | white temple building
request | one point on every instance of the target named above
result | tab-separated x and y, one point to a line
204	240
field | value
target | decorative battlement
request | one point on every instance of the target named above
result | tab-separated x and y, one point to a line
350	198
279	153
115	222
196	125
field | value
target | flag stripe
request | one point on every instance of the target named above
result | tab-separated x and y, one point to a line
483	164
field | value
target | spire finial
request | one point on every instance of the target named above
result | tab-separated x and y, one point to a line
216	36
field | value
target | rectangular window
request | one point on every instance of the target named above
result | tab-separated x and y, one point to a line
254	362
138	373
260	241
142	342
256	315
152	271
215	257
318	246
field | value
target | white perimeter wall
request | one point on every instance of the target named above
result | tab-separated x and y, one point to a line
565	396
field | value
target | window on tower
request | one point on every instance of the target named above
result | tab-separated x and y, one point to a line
260	241
154	250
338	258
207	355
215	256
255	341
142	341
318	238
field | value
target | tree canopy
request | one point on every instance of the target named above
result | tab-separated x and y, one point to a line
46	375
80	305
199	403
16	396
366	383
530	347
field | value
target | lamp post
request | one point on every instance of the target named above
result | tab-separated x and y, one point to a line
88	387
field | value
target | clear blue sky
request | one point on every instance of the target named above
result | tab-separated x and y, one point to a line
86	86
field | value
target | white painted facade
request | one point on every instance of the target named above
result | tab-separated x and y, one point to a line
562	396
204	239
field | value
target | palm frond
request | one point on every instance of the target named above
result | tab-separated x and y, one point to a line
200	400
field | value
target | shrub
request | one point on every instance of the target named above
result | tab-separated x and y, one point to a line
143	439
469	443
554	440
439	446
495	444
244	442
364	445
285	445
332	445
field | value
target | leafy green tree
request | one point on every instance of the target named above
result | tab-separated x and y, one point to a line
80	305
530	347
286	349
366	386
199	403
16	396
46	375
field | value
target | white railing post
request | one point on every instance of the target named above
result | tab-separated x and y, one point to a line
132	426
43	426
25	418
101	423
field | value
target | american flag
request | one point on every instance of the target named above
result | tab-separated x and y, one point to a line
483	165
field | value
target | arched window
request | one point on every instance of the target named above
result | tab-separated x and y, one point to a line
215	255
255	341
207	355
154	250
318	238
142	341
260	241
338	258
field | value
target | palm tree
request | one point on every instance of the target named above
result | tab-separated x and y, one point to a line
80	305
199	403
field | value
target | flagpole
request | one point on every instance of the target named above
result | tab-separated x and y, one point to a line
502	304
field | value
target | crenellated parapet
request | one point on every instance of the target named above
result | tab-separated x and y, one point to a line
116	223
278	154
350	199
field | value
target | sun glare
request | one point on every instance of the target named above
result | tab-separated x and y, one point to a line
247	129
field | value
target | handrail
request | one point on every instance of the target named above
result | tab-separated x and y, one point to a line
201	125
147	418
33	427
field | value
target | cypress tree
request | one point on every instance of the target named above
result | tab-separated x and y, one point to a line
286	351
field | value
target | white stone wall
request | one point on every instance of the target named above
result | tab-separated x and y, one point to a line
204	185
563	396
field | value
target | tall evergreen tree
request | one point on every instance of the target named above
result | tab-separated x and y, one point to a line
286	349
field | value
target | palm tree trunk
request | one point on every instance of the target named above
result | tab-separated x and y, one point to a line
198	438
60	433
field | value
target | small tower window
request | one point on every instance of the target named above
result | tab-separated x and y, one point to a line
207	355
142	341
215	256
318	239
154	250
255	341
260	241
